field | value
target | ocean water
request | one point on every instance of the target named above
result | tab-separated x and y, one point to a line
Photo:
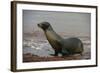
40	46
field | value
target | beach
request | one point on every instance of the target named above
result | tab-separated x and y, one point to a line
36	48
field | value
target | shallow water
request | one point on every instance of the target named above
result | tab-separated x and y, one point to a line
40	47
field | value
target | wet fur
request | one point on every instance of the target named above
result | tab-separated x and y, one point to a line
68	46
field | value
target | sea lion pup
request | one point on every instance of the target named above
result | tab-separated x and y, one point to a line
60	45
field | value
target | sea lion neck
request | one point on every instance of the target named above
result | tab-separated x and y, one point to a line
49	29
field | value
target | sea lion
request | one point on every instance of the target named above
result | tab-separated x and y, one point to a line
60	45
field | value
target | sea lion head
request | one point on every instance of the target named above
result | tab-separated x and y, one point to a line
44	25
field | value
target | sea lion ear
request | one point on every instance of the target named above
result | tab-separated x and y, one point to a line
48	25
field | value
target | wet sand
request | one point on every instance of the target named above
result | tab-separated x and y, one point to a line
33	58
28	57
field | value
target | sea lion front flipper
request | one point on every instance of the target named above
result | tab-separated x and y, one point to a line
58	48
55	54
64	52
